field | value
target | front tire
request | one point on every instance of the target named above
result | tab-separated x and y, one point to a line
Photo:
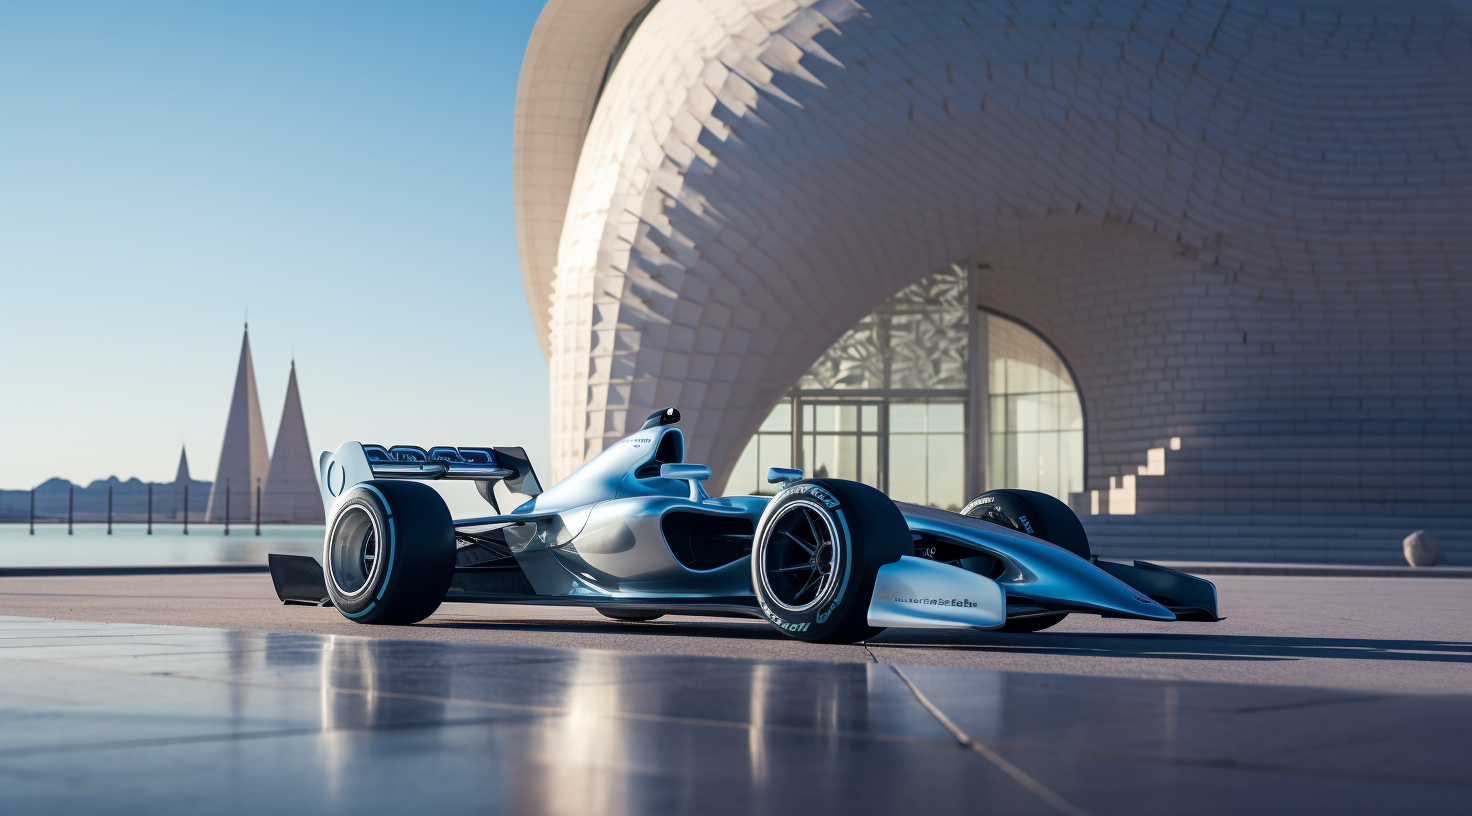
1037	514
1040	516
389	553
815	556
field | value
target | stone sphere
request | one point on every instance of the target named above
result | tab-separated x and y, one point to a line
1421	549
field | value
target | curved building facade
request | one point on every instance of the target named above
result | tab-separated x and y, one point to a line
1243	230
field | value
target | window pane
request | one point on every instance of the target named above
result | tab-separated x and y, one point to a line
1036	439
835	457
906	418
1071	414
907	468
827	418
946	417
837	417
1071	452
997	456
915	340
870	418
744	476
869	460
1030	414
945	471
780	419
997	376
1022	377
775	450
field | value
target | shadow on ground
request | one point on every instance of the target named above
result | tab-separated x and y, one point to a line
1112	644
1188	647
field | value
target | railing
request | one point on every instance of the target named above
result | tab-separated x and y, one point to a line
174	505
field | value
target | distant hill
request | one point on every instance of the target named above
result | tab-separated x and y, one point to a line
129	501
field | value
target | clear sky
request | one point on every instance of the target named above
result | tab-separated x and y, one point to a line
340	169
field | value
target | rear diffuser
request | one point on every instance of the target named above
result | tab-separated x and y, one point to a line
298	580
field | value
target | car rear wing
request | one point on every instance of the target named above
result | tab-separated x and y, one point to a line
354	462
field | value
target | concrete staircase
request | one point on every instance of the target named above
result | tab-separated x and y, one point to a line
1283	539
1347	499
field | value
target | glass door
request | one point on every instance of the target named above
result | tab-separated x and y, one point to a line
926	452
841	439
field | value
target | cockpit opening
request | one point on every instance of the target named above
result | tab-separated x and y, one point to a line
671	451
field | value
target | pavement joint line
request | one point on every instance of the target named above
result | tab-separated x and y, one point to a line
1018	775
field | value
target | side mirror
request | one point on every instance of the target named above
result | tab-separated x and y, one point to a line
783	476
694	474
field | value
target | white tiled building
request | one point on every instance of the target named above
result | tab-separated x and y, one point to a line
1211	259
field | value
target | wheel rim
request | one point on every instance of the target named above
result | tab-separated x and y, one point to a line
801	559
352	550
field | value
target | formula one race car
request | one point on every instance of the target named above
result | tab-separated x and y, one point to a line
633	534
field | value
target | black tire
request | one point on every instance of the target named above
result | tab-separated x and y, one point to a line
622	615
1037	514
389	552
853	529
1036	623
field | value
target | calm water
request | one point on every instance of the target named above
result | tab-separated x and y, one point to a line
130	544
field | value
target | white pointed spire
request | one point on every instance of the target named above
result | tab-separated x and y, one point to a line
244	459
182	474
291	494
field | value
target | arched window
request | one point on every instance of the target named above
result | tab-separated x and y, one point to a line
1036	436
898	404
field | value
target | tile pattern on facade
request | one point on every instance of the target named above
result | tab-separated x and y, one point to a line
1248	227
559	81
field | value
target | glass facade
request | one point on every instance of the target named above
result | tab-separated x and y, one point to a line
841	440
891	404
1036	435
916	341
770	446
927	453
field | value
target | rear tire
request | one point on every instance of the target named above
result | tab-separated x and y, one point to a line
1037	514
815	556
621	615
389	552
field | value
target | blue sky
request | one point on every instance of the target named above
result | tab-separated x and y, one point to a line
340	169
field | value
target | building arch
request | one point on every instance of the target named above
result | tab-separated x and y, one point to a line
1170	179
929	373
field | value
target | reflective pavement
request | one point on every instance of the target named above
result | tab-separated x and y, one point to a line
137	718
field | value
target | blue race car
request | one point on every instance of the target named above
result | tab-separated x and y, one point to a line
634	535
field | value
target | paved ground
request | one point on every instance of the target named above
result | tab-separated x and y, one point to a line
130	718
1388	635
